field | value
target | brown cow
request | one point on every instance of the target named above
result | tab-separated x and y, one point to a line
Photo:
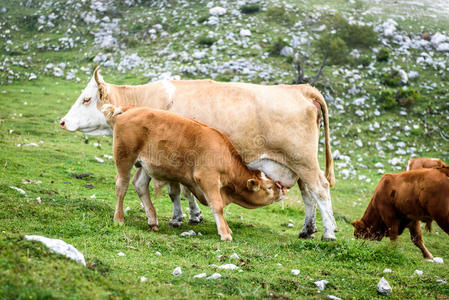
424	162
172	148
402	200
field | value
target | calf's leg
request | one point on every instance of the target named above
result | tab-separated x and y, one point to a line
416	236
121	186
174	192
141	181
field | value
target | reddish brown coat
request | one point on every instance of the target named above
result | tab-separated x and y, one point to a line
402	200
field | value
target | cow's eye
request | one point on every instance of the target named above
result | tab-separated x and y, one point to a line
270	187
86	100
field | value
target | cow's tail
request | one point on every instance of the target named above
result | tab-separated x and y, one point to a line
313	93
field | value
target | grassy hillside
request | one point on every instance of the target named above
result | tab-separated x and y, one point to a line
47	52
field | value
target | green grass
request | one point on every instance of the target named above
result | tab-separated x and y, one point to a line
261	237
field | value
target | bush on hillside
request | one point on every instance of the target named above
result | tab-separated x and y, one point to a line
278	14
383	54
276	46
250	8
206	40
333	49
390	99
392	78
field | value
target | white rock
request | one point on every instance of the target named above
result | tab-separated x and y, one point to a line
418	272
157	253
388	270
201	275
121	254
379	165
443	47
295	272
359	143
413	74
188	233
143	279
440	281
234	256
127	209
177	271
437	39
384	288
333	297
100	160
228	267
290	225
403	75
59	246
214	276
217	11
245	32
437	260
287	51
321	284
39	200
18	189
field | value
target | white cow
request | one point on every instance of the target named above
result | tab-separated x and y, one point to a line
274	128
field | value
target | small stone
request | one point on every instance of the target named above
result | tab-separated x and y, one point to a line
177	271
214	276
384	288
440	281
388	271
121	254
234	256
245	32
188	233
295	272
321	284
332	297
143	279
201	275
438	260
157	253
418	272
228	267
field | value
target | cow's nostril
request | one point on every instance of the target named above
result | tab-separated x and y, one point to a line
62	124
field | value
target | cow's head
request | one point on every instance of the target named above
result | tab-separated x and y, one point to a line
85	114
363	231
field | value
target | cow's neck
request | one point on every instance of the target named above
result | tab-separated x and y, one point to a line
372	219
123	95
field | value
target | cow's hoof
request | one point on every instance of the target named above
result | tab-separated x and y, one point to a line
175	223
226	237
154	227
306	236
328	237
195	219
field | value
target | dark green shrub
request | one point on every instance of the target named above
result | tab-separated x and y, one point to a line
333	49
250	8
279	15
407	97
363	60
387	99
206	40
354	35
383	54
276	46
391	78
203	18
30	22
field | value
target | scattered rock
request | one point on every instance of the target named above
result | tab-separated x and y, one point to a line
143	279
332	297
388	271
384	288
157	253
217	11
295	272
59	246
88	186
440	281
245	32
188	233
177	271
18	189
79	176
234	256
201	275
437	260
321	284
228	267
418	272
214	276
121	254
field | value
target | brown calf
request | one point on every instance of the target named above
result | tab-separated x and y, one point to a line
402	200
172	148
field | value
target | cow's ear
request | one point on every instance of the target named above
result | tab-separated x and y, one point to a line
358	224
253	185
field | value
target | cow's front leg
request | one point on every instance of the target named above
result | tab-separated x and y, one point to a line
195	212
174	191
141	182
416	236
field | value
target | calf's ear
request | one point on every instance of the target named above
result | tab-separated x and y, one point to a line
253	185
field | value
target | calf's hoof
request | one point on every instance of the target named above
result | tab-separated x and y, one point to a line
175	223
195	219
154	227
226	237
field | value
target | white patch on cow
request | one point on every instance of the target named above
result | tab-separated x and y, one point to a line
275	171
169	88
435	159
86	117
264	177
408	165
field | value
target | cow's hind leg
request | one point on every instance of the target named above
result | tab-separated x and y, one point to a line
174	192
309	227
416	236
195	212
141	181
318	187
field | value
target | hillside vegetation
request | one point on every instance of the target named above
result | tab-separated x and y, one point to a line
384	77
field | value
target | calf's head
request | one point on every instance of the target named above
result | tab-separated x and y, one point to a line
261	190
85	114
